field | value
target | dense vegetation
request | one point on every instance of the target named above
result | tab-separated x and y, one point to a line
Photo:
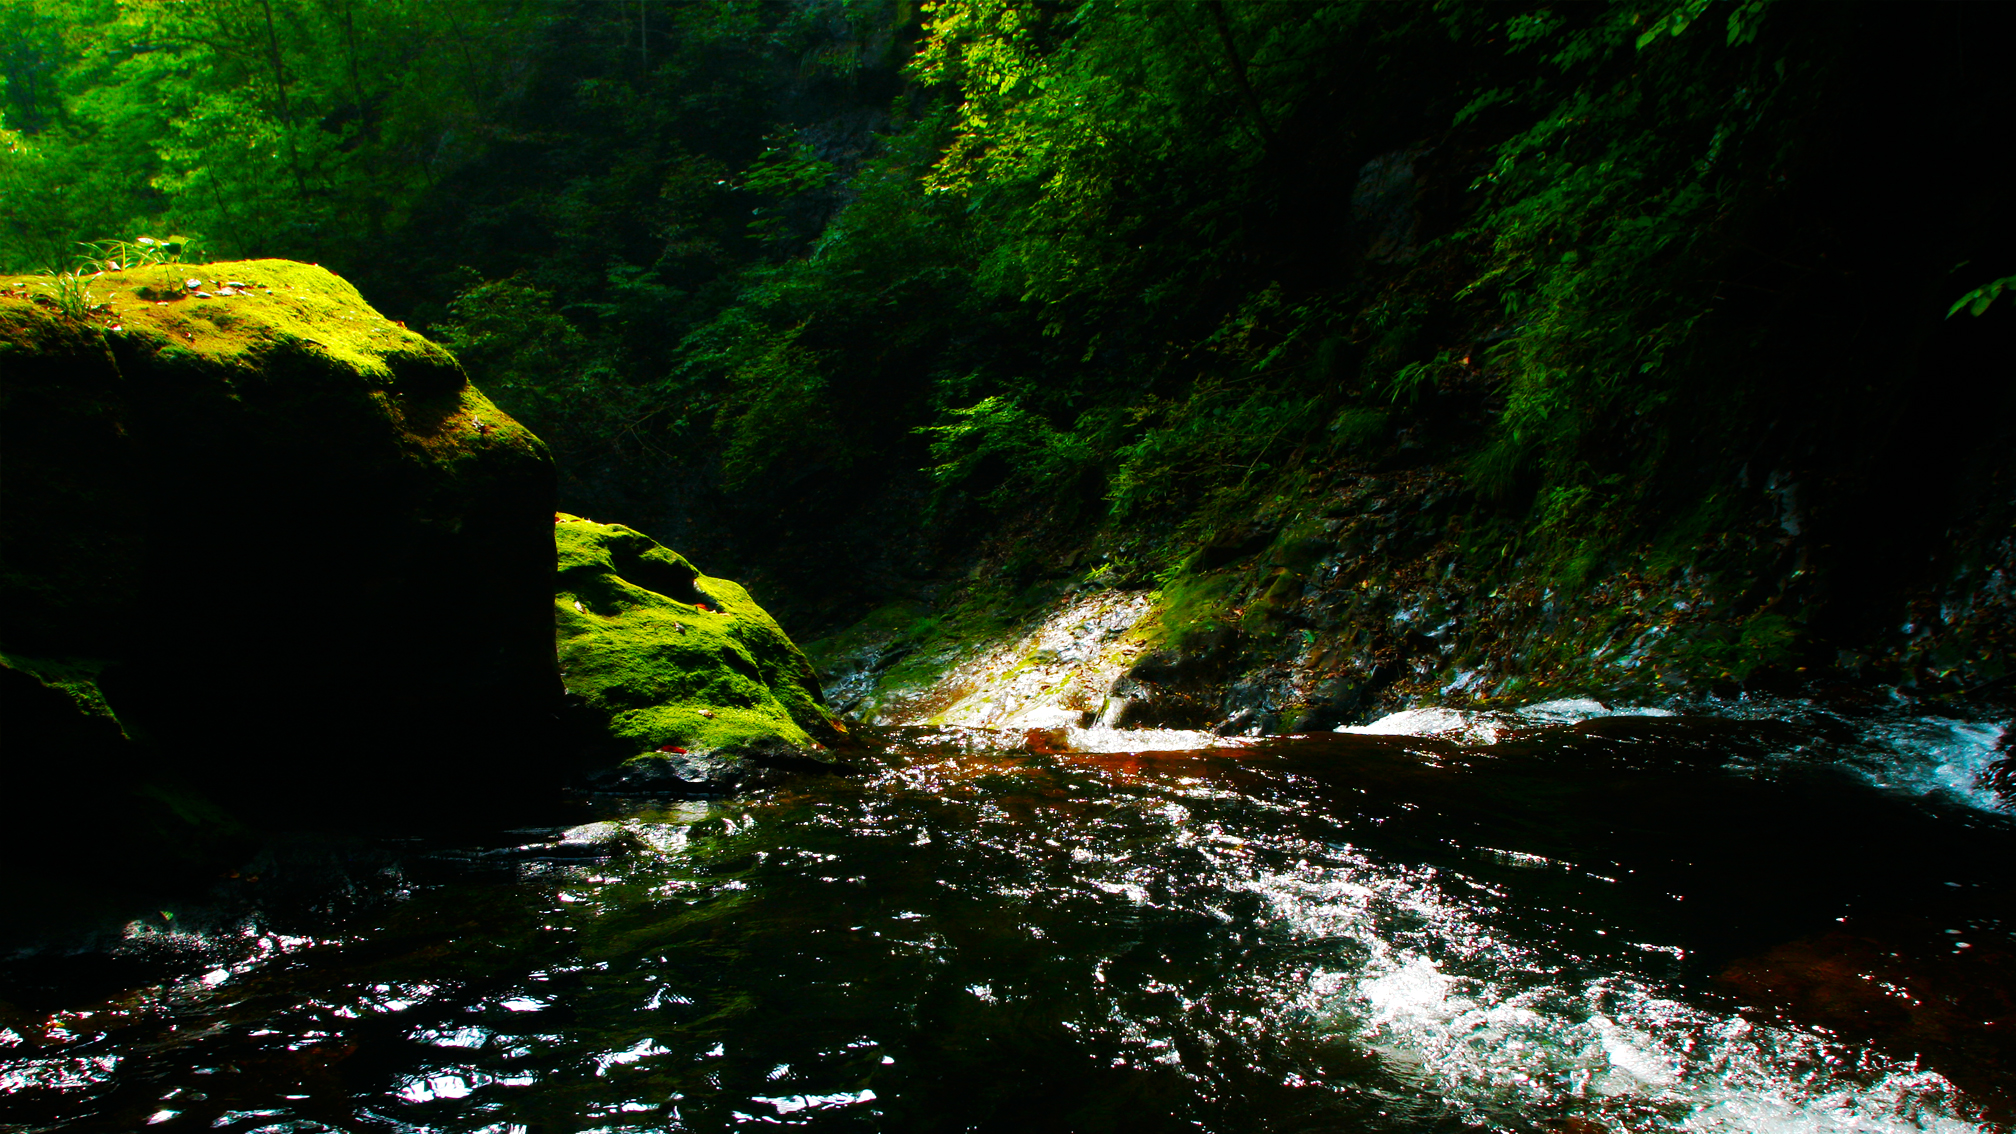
825	293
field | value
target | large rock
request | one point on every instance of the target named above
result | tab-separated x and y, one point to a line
278	539
681	676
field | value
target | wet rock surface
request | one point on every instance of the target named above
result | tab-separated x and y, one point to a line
711	773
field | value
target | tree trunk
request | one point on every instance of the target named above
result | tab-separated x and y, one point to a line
286	112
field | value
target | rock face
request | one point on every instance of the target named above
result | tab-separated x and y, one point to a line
276	539
680	675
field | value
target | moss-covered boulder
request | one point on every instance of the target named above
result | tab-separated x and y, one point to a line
278	539
679	675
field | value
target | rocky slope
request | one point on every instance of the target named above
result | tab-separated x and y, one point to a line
1370	595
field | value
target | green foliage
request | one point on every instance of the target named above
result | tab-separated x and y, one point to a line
70	294
272	126
773	402
1217	436
787	168
1976	302
1183	259
533	360
1763	640
1673	22
1038	457
140	252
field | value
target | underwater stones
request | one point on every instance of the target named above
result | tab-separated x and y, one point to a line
708	774
680	675
298	565
2000	775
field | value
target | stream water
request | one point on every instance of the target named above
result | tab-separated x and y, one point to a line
1770	920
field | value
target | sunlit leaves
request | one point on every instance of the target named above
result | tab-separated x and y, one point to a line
267	125
1977	302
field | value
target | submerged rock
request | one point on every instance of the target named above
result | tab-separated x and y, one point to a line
2000	776
680	675
277	539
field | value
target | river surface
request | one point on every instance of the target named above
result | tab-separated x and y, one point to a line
1768	920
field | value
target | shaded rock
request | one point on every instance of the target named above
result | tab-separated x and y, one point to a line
306	557
1199	657
711	773
1146	704
1335	701
1230	546
1384	219
1176	686
681	674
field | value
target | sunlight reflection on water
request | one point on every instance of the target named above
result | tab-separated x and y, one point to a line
1245	938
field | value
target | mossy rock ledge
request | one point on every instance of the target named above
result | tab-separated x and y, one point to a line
679	676
273	548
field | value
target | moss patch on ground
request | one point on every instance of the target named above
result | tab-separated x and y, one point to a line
235	315
75	678
663	656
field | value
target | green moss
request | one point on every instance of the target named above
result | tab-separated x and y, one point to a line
899	621
1762	641
664	655
75	678
288	318
1191	604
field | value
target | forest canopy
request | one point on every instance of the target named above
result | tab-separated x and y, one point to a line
1153	265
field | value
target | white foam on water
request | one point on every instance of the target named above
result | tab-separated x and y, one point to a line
1494	1031
1101	739
57	1073
1615	1048
791	1104
1916	755
1575	709
1913	754
1453	724
1932	756
1489	726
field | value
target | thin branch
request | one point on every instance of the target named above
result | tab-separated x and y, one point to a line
286	113
1224	28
